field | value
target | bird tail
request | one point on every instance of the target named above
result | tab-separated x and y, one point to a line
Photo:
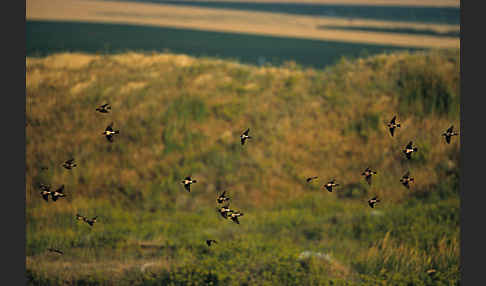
117	131
398	124
194	181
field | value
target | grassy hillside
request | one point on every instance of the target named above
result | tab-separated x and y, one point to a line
182	116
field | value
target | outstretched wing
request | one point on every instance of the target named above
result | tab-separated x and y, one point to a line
409	145
109	138
392	130
393	119
109	127
448	139
188	187
243	140
450	129
246	132
368	179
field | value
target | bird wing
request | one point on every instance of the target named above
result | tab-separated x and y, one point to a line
187	178
243	140
109	138
450	128
392	129
407	174
109	127
368	179
409	145
448	139
46	197
393	119
409	155
61	189
246	132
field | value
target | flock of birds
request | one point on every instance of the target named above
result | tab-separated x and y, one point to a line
222	199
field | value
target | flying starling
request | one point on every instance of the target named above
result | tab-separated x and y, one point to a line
406	179
245	136
224	211
368	173
409	149
330	184
221	199
393	124
58	193
310	179
449	133
234	216
187	183
209	241
45	192
86	220
109	132
69	164
55	250
373	201
104	108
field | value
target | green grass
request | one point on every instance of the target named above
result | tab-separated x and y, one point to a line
182	116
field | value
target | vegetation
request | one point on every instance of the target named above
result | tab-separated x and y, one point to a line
181	116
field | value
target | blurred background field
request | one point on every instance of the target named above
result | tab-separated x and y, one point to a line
182	96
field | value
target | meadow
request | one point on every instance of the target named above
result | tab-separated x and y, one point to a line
180	115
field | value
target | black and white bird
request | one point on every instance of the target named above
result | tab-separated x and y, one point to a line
69	164
393	124
310	179
372	202
86	220
234	216
368	173
224	211
46	191
330	185
104	108
409	149
55	250
109	132
222	198
449	133
209	241
406	180
59	193
187	183
245	136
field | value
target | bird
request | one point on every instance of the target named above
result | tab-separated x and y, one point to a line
393	124
69	164
221	199
330	184
45	194
245	136
104	108
409	149
406	179
310	179
234	216
187	183
224	211
449	133
209	241
55	250
58	193
368	173
373	201
86	220
109	132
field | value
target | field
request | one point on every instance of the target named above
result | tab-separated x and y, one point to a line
180	115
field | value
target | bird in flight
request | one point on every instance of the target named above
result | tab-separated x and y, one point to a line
104	108
209	241
46	191
368	173
109	132
59	193
55	250
187	183
330	185
449	133
409	149
224	211
310	179
86	220
406	180
234	216
372	202
222	198
245	136
69	164
393	124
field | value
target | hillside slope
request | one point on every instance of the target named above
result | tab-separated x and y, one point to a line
181	116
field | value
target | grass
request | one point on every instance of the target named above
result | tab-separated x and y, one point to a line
180	116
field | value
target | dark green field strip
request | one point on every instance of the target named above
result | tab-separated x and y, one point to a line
394	30
443	15
46	37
